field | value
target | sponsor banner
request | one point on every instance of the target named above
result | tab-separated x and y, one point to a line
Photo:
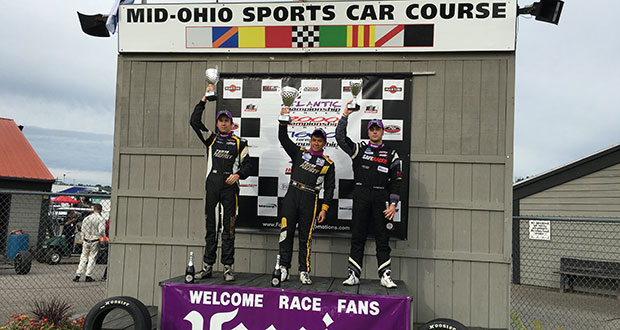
198	307
386	26
320	106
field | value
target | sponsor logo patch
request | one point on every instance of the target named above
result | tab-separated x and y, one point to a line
392	129
232	88
393	89
270	88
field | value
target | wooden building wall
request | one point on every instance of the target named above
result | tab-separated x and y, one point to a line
457	258
596	195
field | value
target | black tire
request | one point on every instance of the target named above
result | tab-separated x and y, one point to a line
40	255
23	262
136	309
53	256
443	324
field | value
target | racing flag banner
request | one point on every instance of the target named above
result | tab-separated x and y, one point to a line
343	26
255	103
216	307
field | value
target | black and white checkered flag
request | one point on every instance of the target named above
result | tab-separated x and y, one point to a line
305	36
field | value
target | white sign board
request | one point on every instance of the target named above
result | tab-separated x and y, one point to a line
411	26
540	230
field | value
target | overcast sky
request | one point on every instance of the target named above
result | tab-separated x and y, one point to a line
54	77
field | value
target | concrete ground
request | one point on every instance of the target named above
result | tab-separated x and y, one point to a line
568	311
555	310
18	292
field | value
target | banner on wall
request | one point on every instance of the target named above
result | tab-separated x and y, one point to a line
198	307
470	25
255	104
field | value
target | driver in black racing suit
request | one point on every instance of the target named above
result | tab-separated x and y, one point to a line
227	163
310	170
377	176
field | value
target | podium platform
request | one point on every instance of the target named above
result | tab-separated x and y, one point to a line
250	302
323	284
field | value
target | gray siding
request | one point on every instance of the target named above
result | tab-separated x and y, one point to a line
594	195
569	239
456	261
25	214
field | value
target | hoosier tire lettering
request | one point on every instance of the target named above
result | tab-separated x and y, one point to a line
136	309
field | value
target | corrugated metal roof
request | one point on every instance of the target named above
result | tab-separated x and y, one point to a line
17	158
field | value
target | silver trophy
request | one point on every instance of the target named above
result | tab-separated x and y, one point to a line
356	87
289	95
213	75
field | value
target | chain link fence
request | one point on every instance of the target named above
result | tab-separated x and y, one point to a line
566	273
40	247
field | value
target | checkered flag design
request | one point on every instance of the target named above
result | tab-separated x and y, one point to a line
305	36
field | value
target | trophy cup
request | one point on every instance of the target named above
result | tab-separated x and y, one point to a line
212	77
355	87
288	95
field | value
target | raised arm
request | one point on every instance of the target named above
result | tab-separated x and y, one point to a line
289	146
344	142
195	121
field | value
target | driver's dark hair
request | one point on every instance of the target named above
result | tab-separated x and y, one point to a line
319	135
97	207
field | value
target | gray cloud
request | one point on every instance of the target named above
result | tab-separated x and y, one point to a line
83	157
567	84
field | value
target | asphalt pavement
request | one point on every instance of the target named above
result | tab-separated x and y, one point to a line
44	282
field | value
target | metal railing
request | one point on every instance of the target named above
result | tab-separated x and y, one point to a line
566	272
40	250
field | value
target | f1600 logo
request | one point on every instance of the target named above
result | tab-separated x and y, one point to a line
270	88
311	89
393	89
251	108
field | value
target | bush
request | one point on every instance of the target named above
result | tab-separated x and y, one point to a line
50	315
55	311
21	322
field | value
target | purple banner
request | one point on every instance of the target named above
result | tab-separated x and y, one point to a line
217	307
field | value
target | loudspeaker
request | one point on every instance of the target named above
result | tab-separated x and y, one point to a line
94	25
549	11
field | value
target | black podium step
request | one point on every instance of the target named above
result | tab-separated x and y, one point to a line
323	284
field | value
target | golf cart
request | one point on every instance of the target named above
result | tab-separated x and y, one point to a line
63	243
